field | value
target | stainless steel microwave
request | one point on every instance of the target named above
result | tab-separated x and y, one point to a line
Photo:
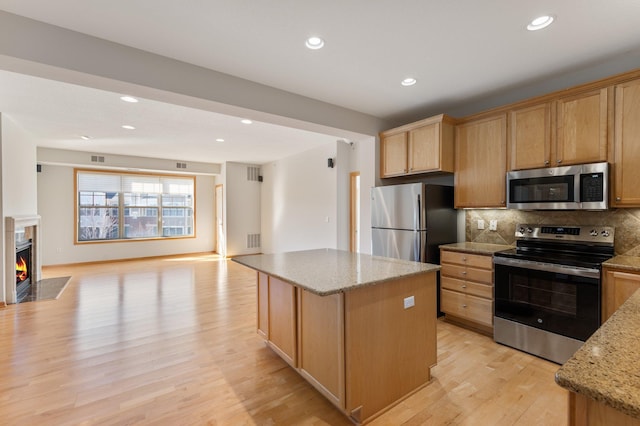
579	187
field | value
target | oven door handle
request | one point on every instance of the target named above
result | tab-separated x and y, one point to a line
548	267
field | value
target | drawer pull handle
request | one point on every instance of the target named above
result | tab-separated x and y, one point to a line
464	272
464	306
464	286
464	259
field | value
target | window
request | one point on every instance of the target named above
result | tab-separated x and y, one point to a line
115	206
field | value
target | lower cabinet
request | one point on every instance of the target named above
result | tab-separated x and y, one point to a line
363	349
617	286
321	349
466	288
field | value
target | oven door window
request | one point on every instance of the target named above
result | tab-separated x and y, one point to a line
545	189
563	304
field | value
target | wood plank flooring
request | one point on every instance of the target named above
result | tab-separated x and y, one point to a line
173	342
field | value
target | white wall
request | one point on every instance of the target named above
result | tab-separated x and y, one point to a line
242	209
363	160
56	208
299	195
18	180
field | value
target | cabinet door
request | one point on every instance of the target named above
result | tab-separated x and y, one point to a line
530	137
393	155
263	305
626	145
282	320
321	343
581	128
431	148
618	287
481	158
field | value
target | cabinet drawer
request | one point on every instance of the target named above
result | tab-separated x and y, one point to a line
466	306
465	273
472	260
467	287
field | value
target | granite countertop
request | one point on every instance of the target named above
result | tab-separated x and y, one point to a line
478	248
606	368
328	271
629	263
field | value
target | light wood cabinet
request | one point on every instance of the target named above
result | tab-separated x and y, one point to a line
421	147
581	128
321	349
564	131
361	348
617	287
585	411
530	137
481	163
263	305
626	173
466	288
282	320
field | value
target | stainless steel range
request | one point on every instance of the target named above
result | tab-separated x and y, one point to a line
548	288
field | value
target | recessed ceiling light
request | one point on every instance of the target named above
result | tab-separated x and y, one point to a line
540	23
219	140
246	121
130	99
314	43
409	81
85	137
128	127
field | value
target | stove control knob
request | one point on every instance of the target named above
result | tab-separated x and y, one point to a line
521	230
529	229
593	233
605	233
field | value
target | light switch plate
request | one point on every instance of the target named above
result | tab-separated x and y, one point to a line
480	224
493	225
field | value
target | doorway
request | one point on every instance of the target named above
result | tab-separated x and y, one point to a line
219	218
354	212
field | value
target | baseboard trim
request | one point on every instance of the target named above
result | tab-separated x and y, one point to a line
131	259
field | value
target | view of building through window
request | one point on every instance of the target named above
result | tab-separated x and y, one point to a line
116	206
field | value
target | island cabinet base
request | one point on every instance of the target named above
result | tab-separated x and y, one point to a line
584	411
362	349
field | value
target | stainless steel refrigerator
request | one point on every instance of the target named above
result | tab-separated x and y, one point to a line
411	221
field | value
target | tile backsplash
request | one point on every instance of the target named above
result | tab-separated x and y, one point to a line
625	221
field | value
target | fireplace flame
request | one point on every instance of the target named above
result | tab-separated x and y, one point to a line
21	270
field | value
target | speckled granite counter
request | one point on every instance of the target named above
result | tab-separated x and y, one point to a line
606	368
478	248
629	263
328	271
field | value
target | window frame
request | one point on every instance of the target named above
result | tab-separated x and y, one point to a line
121	207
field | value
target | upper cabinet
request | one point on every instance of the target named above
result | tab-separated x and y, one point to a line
481	154
421	147
530	137
581	128
626	145
561	131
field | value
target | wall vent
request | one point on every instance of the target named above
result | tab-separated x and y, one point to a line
253	240
181	165
253	174
97	159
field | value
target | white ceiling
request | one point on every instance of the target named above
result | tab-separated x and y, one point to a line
458	50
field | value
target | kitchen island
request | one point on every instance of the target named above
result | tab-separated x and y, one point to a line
603	375
361	329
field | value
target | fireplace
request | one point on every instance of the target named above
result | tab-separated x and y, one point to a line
23	270
22	249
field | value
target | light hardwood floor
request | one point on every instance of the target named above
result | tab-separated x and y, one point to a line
173	342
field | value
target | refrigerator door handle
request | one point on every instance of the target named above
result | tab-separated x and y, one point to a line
417	246
417	214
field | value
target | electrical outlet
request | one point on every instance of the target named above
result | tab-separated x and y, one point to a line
493	225
480	224
409	302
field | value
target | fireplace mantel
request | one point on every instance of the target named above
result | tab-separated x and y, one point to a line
13	224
